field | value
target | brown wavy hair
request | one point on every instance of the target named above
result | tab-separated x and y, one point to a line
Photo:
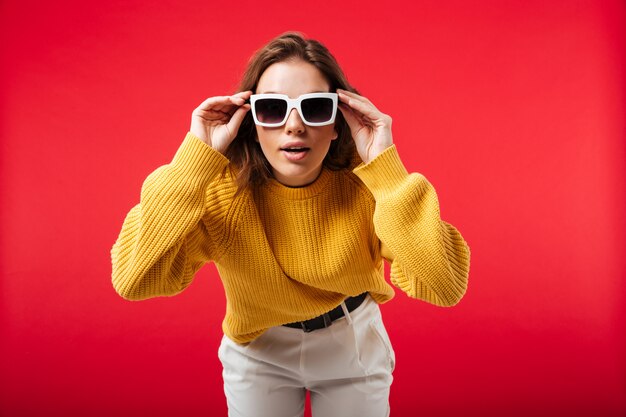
252	168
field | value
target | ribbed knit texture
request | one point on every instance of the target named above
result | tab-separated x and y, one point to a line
288	254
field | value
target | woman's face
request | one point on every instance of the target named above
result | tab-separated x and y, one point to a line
294	169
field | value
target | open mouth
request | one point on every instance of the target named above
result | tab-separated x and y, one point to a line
295	153
295	149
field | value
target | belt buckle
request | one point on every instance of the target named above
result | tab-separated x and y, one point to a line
327	322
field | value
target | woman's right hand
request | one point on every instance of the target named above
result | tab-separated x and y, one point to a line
217	120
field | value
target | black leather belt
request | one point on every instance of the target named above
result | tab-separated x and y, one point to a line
327	319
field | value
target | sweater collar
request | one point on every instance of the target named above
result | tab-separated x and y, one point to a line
300	193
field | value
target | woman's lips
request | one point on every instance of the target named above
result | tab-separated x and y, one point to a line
295	154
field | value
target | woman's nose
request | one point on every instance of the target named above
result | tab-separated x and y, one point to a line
294	122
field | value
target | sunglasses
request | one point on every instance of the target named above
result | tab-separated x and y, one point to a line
272	110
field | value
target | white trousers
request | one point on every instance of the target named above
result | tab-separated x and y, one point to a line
347	367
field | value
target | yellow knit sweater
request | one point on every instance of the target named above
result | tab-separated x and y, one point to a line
288	254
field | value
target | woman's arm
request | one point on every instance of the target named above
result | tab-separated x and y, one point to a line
429	258
164	240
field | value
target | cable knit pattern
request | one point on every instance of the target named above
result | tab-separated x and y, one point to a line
288	254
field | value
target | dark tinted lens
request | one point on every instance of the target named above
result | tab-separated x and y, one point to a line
270	110
317	110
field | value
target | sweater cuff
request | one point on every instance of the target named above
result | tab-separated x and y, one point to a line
384	173
197	160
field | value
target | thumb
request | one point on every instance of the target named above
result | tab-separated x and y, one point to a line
236	119
350	118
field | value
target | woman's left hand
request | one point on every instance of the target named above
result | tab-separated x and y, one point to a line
370	128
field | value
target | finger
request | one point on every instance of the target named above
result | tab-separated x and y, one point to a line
347	96
211	114
360	117
235	121
212	102
352	95
237	100
219	102
230	106
217	115
365	108
353	121
354	99
244	94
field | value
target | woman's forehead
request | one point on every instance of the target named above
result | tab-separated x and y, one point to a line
292	78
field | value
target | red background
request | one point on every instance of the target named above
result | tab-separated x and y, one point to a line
514	110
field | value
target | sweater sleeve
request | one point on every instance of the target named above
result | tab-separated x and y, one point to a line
163	241
429	257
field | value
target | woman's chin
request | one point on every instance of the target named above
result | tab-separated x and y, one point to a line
296	176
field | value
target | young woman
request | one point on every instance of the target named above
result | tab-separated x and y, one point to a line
294	189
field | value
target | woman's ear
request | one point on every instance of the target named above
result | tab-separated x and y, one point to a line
336	135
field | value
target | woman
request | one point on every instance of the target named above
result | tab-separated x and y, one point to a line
293	187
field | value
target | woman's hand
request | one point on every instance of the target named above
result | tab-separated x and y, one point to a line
370	128
217	120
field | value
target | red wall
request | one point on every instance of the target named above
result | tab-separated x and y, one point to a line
514	110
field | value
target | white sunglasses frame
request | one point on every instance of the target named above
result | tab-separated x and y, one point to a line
293	103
